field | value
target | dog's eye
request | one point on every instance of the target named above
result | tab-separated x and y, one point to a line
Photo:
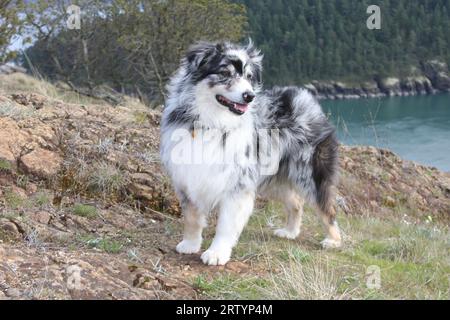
225	73
249	76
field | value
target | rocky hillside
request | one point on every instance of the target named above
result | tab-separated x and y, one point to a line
81	188
434	77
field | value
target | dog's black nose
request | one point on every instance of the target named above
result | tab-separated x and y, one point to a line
248	96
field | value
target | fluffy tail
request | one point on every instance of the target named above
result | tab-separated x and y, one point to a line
325	172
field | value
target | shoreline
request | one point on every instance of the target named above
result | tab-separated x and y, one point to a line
321	97
433	78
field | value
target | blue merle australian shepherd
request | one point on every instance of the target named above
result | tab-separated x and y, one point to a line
224	141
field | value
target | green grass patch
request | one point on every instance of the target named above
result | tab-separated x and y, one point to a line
14	200
41	199
5	166
104	244
413	260
227	286
85	211
22	181
298	254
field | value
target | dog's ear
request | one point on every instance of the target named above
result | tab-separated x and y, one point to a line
256	58
254	53
201	53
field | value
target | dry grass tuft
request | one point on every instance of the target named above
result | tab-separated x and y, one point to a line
312	280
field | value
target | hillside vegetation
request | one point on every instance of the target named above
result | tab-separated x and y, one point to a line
324	45
87	212
129	45
306	40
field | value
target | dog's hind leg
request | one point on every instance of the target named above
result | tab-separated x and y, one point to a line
293	204
194	222
325	166
328	218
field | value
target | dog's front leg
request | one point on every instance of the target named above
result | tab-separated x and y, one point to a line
233	216
194	222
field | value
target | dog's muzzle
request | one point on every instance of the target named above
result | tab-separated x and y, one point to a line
235	107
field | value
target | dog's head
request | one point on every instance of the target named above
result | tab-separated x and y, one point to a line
225	75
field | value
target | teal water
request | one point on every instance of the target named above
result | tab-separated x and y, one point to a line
416	128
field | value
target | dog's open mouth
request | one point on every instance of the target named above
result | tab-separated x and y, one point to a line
237	108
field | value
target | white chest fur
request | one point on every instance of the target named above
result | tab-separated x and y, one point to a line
204	163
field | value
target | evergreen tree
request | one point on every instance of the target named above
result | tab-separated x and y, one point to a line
323	39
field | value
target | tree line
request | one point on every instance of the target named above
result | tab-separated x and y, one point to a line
305	40
133	46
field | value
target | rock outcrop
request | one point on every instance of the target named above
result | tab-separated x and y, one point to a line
390	86
80	147
433	78
41	163
438	74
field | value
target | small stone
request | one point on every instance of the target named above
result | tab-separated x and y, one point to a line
145	281
236	266
373	204
19	192
13	293
41	217
166	283
31	188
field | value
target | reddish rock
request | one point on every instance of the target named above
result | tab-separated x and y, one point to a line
41	163
41	217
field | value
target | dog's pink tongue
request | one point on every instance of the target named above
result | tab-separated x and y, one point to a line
241	107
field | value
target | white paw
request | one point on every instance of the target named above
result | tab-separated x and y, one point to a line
328	243
285	233
214	257
188	246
